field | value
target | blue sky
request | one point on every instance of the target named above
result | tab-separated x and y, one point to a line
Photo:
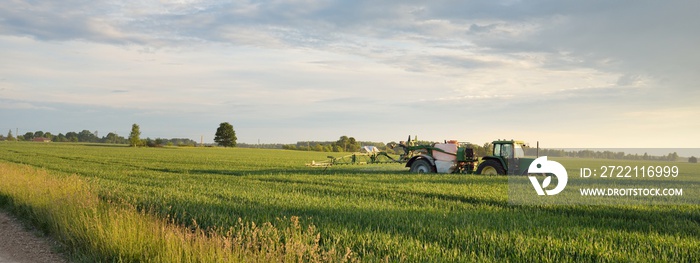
565	73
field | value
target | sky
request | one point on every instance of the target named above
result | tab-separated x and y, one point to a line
564	73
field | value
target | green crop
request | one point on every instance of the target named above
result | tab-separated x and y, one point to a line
379	212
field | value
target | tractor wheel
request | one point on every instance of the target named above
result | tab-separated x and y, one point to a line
422	167
490	167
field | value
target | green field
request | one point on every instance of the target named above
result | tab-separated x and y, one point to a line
379	212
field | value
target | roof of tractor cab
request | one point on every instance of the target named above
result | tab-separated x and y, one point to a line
508	142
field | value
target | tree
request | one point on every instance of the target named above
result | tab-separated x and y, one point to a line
72	136
134	139
28	136
225	135
111	138
343	142
672	156
9	136
693	159
86	136
38	134
353	145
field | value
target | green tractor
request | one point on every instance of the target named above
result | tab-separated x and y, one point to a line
508	158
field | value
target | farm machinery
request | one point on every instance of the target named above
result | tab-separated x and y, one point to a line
449	157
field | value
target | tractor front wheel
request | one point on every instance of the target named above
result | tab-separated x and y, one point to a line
422	166
490	167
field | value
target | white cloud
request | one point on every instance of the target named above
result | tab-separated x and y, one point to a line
14	105
395	61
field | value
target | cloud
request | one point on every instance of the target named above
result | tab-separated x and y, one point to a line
390	31
262	61
22	105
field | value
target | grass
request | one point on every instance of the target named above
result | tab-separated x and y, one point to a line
92	230
377	212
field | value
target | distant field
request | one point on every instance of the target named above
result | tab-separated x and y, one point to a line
378	211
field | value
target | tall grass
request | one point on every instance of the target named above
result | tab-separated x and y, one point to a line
94	230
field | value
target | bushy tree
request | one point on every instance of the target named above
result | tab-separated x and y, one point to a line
86	136
134	139
348	144
225	135
672	156
693	159
343	142
9	136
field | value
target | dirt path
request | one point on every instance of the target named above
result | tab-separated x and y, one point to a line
17	244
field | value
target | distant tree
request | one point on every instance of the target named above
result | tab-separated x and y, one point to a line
343	142
672	156
48	135
693	159
86	136
111	138
159	142
72	136
60	138
150	143
9	136
353	145
28	136
134	139
38	134
486	150
225	135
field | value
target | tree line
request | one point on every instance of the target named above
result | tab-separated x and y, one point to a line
602	154
87	136
343	144
135	140
225	136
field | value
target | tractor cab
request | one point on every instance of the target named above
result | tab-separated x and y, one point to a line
508	158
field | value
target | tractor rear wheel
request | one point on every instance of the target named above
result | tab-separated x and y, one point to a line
490	167
422	166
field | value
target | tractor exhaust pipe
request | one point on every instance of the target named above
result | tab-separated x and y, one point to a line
538	149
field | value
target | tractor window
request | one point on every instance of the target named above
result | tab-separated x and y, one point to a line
497	150
507	150
519	153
